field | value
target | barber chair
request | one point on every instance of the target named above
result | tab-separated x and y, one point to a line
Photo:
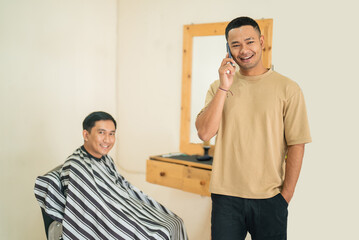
53	228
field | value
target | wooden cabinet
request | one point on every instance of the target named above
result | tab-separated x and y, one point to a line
189	176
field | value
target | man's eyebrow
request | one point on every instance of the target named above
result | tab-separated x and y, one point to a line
247	39
101	129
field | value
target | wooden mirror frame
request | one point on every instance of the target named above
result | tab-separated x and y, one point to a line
208	29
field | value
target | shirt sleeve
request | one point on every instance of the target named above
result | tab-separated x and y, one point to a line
296	126
210	95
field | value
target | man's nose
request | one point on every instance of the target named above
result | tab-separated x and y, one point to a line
243	49
106	138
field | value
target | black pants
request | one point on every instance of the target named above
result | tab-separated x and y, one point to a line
264	219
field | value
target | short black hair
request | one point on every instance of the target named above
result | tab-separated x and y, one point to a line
242	21
92	118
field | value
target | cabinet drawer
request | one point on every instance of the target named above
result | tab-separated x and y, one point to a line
197	180
186	178
166	174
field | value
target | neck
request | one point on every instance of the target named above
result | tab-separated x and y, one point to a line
97	156
254	71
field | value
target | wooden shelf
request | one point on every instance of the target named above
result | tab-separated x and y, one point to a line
187	175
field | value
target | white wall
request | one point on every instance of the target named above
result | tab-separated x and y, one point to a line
314	43
57	64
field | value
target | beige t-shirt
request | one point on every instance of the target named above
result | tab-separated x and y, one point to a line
264	115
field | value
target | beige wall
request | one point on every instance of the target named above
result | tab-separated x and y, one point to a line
60	60
57	64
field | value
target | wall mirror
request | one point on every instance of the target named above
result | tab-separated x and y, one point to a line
203	50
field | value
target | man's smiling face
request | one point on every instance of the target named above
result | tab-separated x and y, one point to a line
246	47
100	140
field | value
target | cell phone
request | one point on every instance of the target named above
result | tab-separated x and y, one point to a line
229	53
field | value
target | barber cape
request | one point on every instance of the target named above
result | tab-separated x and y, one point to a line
93	201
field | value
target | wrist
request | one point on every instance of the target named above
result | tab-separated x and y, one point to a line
226	86
287	194
223	89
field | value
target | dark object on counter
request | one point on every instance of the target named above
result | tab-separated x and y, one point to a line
205	157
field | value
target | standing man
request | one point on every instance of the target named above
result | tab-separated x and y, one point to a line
259	117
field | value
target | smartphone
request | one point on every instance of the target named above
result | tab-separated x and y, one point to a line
229	53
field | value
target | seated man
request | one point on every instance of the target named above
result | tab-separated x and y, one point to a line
93	201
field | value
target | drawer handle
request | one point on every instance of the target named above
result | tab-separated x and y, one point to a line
162	174
202	183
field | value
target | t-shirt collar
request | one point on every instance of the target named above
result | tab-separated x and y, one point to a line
254	78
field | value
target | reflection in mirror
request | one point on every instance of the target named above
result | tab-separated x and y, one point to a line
207	55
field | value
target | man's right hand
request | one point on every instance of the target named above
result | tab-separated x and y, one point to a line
226	73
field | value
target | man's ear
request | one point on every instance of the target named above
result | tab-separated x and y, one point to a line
85	134
261	40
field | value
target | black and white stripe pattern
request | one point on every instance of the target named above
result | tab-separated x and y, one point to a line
93	201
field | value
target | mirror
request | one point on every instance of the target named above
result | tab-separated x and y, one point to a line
203	50
205	61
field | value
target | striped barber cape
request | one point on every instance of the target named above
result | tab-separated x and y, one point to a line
93	201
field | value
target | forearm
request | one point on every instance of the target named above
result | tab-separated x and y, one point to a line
292	170
207	123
